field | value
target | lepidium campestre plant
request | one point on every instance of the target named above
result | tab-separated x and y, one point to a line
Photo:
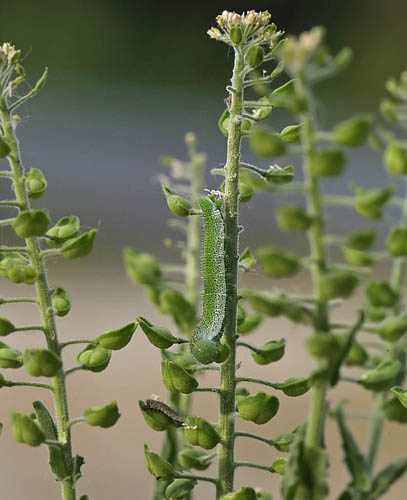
213	340
25	264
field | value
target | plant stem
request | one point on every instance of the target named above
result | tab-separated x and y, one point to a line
44	302
254	436
228	371
252	466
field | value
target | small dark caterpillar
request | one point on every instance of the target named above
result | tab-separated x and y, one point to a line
155	405
206	337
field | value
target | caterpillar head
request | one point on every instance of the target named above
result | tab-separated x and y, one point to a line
205	351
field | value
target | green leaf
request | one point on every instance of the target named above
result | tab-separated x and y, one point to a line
386	477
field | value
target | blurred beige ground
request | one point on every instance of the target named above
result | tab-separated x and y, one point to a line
103	299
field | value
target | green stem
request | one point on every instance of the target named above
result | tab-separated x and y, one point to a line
254	436
231	203
252	466
198	478
44	302
9	383
375	431
257	381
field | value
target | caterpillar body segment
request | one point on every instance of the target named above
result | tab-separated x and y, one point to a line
205	340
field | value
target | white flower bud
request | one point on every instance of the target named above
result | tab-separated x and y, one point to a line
236	19
250	19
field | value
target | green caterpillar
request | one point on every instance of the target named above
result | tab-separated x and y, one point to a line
205	340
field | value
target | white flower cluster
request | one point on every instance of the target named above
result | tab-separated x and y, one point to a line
8	52
297	51
251	20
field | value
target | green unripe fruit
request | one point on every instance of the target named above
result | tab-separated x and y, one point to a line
61	302
370	203
4	148
277	263
159	336
236	34
80	246
223	353
291	134
271	352
283	96
30	223
11	358
194	459
361	240
25	430
6	327
392	328
117	339
401	395
357	355
141	267
65	229
293	218
265	143
94	359
283	441
41	362
224	124
394	411
263	495
381	294
157	420
279	466
388	110
199	432
396	242
245	192
297	312
254	56
265	110
354	132
395	159
336	284
180	488
36	183
266	303
322	345
249	324
358	258
375	314
157	466
243	494
176	379
174	303
328	163
177	204
382	377
259	408
280	176
295	386
102	416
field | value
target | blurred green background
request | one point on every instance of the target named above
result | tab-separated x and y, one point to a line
127	80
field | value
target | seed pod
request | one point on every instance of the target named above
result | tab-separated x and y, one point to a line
279	176
102	416
141	267
180	488
375	314
354	131
370	203
395	159
194	459
25	430
271	352
283	96
259	408
293	218
223	353
396	242
176	379
36	183
283	441
177	204
81	246
357	258
30	223
94	359
322	345
388	110
242	494
393	327
199	432
65	229
381	294
174	303
338	284
154	417
224	124
291	134
264	111
61	302
254	56
157	466
394	411
4	148
295	386
265	302
236	34
382	377
249	324
357	355
278	263
279	466
328	163
11	358
117	339
297	312
41	362
245	192
265	143
361	240
6	327
401	395
263	495
158	335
